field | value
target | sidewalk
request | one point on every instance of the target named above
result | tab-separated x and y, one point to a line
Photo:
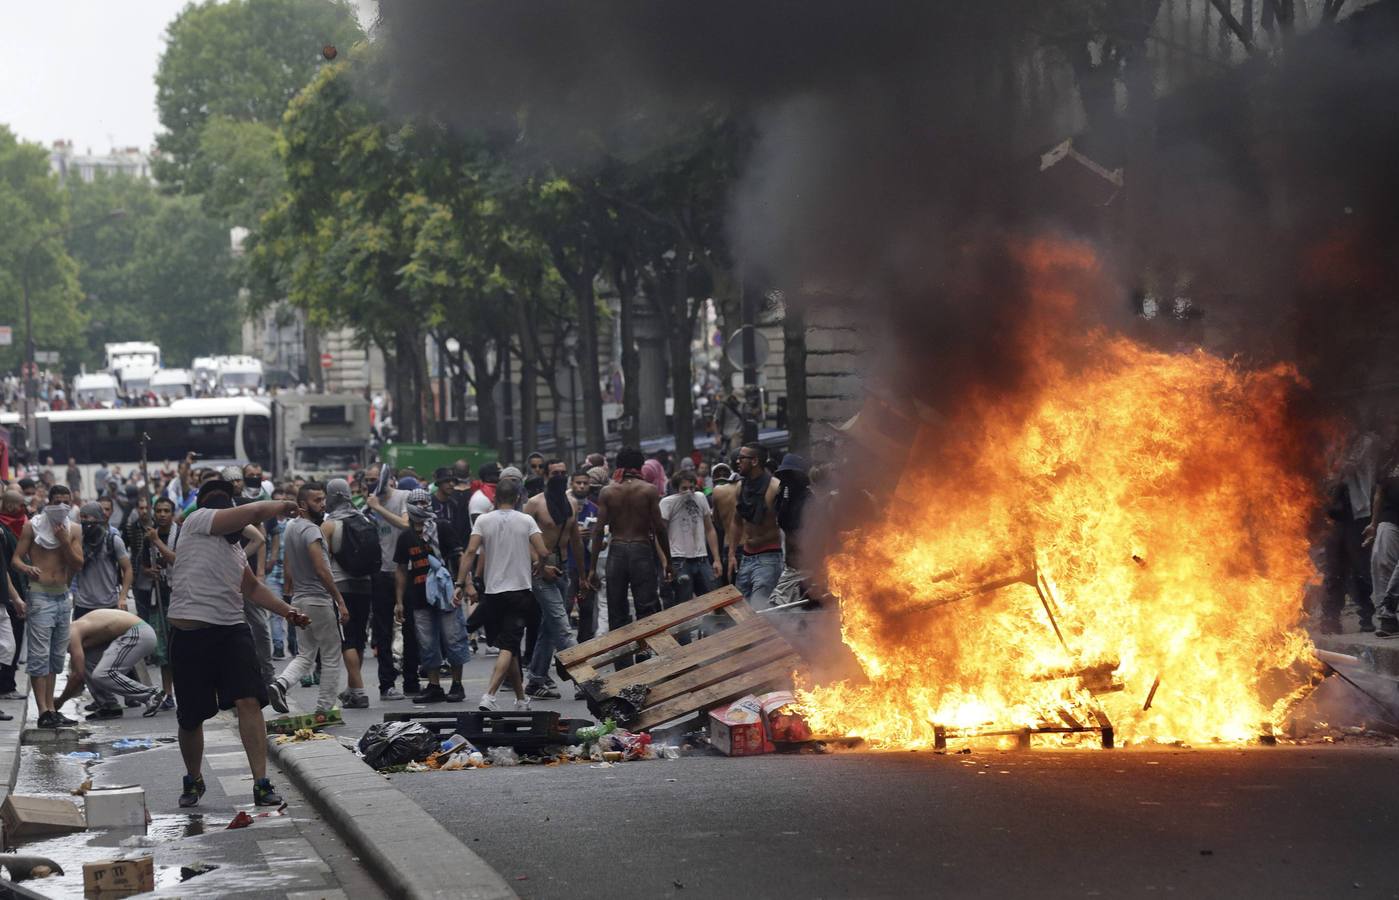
12	734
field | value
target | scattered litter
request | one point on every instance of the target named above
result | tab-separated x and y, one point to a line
133	744
119	877
82	789
301	735
678	885
25	817
116	807
43	871
194	871
592	733
395	743
602	765
84	755
313	721
242	820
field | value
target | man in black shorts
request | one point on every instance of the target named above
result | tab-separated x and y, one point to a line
216	665
513	545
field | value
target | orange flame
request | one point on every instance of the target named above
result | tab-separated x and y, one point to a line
1134	516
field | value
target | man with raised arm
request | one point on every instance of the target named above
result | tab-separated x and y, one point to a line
53	544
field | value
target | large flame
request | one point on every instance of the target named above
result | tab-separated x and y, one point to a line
1156	501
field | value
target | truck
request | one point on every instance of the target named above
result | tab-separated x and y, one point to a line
238	375
135	378
206	375
131	353
319	435
172	384
95	389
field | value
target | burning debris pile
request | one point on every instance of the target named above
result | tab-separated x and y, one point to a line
1121	544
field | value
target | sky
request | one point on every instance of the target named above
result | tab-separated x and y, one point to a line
84	69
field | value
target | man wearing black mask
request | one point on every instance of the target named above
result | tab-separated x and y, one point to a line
792	501
105	578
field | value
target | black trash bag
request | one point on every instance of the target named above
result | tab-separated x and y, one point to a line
396	743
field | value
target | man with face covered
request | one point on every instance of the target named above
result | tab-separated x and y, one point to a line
106	575
554	513
54	546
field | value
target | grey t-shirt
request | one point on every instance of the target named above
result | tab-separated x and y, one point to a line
302	538
208	579
397	503
98	582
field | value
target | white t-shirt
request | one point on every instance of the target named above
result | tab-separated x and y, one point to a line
397	503
208	574
505	537
478	506
684	515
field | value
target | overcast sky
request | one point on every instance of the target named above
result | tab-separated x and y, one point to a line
84	69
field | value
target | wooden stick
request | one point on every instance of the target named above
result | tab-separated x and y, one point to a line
1151	694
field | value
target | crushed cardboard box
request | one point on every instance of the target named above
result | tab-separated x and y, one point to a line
119	877
26	817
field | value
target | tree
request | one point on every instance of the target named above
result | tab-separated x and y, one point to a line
241	60
237	170
33	221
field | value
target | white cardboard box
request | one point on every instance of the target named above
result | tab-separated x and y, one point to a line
116	807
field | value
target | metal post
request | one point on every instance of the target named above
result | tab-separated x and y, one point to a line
30	382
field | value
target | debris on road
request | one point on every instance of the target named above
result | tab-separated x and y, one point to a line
396	743
25	817
195	870
301	735
133	744
119	877
242	820
313	721
116	807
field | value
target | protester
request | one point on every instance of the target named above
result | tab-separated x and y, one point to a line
388	505
153	602
723	497
512	544
427	601
313	591
106	575
793	497
449	507
653	470
483	500
73	476
630	513
694	544
12	519
54	545
1347	558
553	511
283	638
755	545
581	495
353	542
102	647
216	665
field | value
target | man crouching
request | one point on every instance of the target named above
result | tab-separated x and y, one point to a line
102	647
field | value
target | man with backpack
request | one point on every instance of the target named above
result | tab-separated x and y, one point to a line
425	595
355	556
103	581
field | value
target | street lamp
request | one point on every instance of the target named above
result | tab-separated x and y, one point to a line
30	386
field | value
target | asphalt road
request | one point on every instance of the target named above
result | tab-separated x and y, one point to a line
1263	822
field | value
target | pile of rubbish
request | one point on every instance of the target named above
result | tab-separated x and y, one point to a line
410	747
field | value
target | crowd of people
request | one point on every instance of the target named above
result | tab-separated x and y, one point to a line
179	590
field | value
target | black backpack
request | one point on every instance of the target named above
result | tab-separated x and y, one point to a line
359	554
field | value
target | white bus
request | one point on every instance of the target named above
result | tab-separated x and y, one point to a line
228	431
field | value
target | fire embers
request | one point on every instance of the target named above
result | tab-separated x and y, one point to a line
1134	519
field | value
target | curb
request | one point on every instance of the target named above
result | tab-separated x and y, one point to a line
12	734
1381	654
406	849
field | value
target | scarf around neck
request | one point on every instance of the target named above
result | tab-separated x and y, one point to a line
752	498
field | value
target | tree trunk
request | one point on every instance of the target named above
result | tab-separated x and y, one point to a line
391	380
529	398
631	359
484	379
683	400
581	284
794	363
728	304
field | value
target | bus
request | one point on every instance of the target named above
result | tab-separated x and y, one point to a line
230	431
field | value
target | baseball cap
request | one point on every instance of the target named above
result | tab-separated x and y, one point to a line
408	483
444	473
793	463
511	472
231	473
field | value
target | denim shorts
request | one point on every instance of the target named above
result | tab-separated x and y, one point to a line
46	630
438	630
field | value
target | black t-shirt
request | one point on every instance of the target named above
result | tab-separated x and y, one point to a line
412	551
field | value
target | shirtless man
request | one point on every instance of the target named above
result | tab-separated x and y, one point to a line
755	543
724	499
53	543
556	514
630	510
103	645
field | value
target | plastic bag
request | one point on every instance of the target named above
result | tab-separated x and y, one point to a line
591	733
396	743
502	756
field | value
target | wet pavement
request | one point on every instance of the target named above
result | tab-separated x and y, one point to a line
294	855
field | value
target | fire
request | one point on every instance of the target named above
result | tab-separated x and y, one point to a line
1132	527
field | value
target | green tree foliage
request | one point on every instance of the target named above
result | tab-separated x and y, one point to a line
241	60
162	272
34	219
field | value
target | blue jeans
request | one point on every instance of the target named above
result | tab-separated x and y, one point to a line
437	629
757	575
46	630
553	626
693	578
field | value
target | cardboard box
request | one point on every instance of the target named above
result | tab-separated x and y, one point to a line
737	729
119	877
116	808
28	817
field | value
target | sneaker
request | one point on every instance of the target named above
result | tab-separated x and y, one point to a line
580	694
472	642
457	693
265	795
13	695
46	720
193	790
106	712
168	705
62	721
389	695
541	691
522	705
277	696
154	704
355	701
278	652
132	703
94	706
432	694
308	681
488	703
492	651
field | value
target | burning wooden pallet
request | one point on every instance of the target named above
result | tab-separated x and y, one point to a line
679	680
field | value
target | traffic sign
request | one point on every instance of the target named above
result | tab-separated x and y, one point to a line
326	360
7	336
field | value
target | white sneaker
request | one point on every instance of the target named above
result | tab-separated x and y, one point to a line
488	703
522	705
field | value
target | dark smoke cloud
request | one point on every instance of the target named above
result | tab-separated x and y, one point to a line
895	159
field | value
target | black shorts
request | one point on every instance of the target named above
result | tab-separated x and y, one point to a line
214	668
356	631
505	616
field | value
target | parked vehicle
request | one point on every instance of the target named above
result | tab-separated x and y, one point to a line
95	389
172	384
320	435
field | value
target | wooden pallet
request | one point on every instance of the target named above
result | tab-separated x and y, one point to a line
680	680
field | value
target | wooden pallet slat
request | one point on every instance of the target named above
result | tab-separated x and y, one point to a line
723	692
652	624
696	653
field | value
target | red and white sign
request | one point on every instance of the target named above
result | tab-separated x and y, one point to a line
325	360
